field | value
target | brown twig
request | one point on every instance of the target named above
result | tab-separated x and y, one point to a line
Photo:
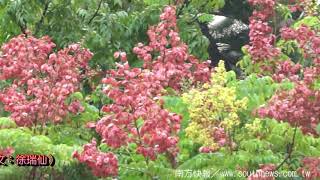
96	13
290	149
140	139
44	13
184	5
23	27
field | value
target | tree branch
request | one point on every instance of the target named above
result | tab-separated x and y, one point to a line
44	13
23	29
290	149
22	25
184	5
96	13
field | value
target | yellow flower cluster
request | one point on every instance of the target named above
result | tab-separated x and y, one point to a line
254	127
310	7
211	106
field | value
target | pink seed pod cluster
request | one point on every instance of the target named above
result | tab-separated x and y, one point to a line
136	114
42	79
261	47
136	92
310	168
102	164
301	105
8	151
264	173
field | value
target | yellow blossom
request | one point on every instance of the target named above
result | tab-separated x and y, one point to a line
212	105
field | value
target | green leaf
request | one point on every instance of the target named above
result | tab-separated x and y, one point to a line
318	128
7	123
204	18
77	96
139	122
117	2
310	21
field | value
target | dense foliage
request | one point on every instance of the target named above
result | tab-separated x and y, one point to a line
135	97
